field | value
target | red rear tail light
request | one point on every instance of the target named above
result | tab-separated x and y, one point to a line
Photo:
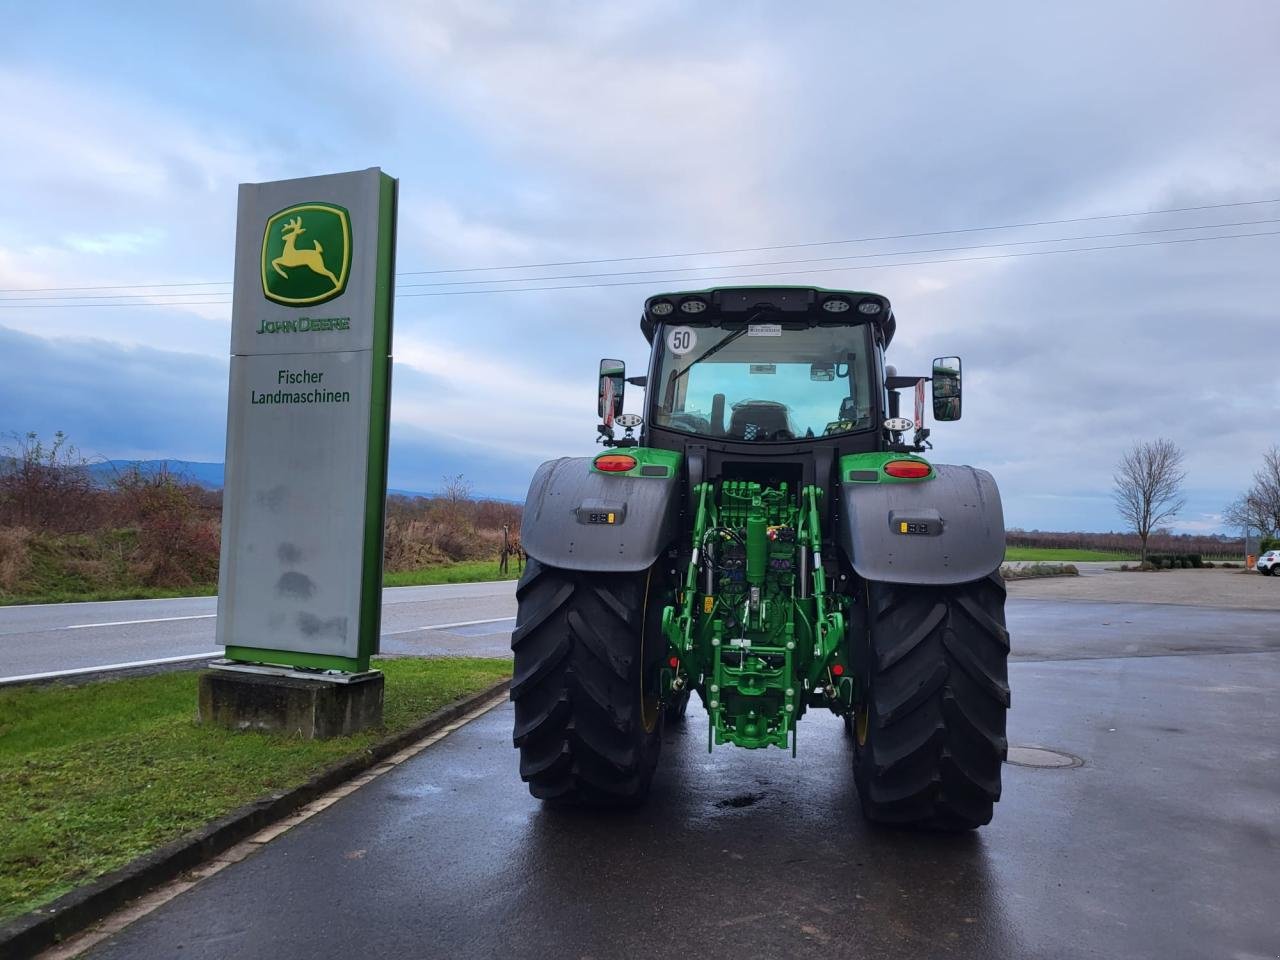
615	462
907	469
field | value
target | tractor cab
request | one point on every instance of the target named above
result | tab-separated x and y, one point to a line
766	365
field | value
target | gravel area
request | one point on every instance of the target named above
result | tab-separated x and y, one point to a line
1234	589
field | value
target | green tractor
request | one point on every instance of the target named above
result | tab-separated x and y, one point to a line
768	538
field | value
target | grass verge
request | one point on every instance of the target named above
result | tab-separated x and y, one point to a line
469	571
92	776
1017	554
108	593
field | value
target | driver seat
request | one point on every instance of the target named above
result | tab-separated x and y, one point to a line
754	419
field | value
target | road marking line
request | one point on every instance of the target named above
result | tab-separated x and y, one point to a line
54	674
446	626
114	923
124	623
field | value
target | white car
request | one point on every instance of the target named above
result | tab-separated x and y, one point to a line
1269	563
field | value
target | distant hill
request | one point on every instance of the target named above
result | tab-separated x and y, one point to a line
211	476
207	475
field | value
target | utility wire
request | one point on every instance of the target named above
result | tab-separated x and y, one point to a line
860	266
701	253
847	256
726	266
738	276
828	243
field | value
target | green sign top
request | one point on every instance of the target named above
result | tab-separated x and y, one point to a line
306	254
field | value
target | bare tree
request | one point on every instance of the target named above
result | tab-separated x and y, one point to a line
1148	487
1259	506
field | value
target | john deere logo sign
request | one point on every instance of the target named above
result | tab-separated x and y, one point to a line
306	254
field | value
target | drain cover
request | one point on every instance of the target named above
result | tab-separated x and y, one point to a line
1040	757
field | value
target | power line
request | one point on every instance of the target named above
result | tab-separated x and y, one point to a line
727	266
739	276
827	243
848	256
702	253
861	266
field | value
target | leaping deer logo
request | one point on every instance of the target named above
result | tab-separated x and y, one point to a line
312	258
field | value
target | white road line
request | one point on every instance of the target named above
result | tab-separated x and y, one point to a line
53	674
446	626
125	623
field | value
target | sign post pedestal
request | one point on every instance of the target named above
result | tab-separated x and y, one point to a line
291	702
300	582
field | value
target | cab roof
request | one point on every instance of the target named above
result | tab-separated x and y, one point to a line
727	306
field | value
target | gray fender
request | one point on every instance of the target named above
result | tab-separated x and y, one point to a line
564	497
959	509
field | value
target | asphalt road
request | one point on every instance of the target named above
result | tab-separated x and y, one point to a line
70	636
1163	844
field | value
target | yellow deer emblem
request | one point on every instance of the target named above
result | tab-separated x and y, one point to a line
312	258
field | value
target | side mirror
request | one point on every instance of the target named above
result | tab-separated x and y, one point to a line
613	382
946	388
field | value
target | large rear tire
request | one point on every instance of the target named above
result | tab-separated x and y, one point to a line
930	735
587	729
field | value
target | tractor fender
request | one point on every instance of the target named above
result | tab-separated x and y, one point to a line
567	517
954	523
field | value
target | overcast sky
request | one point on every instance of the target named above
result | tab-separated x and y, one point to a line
533	133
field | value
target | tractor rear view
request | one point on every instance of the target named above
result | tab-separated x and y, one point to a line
769	538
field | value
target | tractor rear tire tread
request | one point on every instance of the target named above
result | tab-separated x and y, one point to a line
938	699
576	691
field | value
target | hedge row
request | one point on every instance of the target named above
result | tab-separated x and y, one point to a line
1175	561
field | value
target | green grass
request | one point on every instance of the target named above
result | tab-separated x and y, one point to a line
63	591
92	776
111	593
470	571
1014	554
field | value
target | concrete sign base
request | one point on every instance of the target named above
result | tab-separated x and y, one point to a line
314	707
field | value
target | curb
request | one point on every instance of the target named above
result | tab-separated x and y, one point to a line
46	926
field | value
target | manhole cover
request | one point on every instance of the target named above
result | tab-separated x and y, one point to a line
1040	757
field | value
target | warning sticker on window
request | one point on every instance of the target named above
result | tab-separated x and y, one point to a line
764	330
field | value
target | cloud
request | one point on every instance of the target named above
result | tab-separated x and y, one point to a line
113	401
115	242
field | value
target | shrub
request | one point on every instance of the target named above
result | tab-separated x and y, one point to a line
47	486
176	546
15	557
1031	571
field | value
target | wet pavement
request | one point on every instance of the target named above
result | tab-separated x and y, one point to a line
1164	843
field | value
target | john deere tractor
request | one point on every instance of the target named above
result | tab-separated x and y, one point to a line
769	538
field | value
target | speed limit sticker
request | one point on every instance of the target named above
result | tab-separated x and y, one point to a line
680	340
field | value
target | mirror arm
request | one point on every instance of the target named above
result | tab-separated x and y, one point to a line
638	381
